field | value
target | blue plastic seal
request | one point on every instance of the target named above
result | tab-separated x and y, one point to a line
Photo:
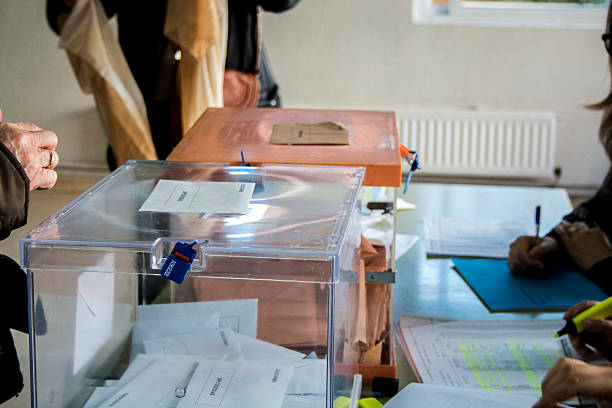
179	262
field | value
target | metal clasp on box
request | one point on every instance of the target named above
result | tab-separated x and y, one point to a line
387	276
162	247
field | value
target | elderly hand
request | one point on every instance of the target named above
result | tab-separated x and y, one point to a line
526	253
570	377
34	148
585	245
596	338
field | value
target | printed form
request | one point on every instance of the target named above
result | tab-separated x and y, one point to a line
227	384
195	197
473	238
496	355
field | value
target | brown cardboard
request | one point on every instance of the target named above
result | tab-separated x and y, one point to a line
325	133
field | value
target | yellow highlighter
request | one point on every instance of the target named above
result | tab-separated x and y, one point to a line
599	311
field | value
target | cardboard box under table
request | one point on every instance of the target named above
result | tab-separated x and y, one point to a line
358	138
259	321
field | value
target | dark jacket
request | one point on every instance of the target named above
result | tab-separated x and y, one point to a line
150	54
601	275
597	211
14	195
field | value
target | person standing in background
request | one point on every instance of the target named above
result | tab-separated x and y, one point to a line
153	59
27	162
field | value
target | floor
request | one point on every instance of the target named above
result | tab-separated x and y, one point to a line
42	205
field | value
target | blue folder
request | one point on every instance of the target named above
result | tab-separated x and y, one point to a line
501	291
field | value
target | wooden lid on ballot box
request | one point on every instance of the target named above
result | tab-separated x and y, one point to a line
222	133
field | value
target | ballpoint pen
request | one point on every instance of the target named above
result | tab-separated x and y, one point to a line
538	212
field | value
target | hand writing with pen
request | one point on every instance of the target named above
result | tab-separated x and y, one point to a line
585	245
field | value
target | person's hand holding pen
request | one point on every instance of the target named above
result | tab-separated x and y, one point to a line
585	245
527	252
595	341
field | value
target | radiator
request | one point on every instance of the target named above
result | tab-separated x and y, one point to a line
481	144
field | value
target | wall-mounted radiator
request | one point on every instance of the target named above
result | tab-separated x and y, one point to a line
483	144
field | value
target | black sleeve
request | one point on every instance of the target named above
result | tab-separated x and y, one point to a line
14	301
601	275
597	211
277	6
14	193
57	7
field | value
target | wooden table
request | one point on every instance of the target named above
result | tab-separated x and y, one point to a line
431	286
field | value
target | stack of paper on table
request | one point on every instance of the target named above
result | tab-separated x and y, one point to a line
501	356
501	291
473	238
186	360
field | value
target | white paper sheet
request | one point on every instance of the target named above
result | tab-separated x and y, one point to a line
259	351
214	344
478	238
101	394
156	329
195	197
226	384
155	385
403	242
102	321
402	205
239	315
309	378
499	356
425	395
94	315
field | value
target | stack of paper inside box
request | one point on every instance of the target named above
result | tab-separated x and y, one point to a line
207	353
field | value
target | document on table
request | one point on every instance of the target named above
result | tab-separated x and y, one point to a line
226	384
427	395
195	197
502	356
502	291
474	238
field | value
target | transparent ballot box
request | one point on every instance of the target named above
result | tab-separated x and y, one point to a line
262	319
273	136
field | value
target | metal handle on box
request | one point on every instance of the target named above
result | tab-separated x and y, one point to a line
162	247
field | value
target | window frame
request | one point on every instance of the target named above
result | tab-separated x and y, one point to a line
510	14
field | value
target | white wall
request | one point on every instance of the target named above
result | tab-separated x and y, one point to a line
369	54
347	53
37	85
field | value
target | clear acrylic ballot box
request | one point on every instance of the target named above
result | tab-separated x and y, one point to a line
261	319
234	135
